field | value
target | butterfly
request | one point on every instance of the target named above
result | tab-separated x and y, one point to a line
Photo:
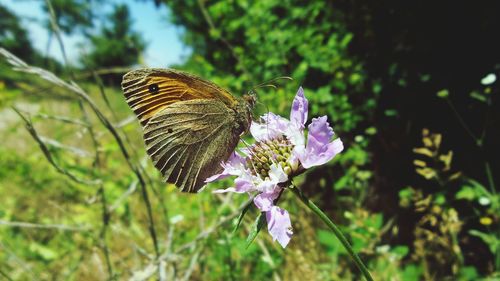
190	125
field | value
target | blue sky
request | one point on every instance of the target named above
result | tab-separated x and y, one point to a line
164	46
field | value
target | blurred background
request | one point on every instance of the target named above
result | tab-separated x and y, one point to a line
409	86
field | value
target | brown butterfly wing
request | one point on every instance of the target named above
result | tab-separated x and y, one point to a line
150	90
190	125
188	140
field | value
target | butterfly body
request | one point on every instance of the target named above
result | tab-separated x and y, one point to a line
190	125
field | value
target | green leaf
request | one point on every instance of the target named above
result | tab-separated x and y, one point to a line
440	199
468	273
242	214
371	131
400	251
443	93
411	273
478	96
491	240
43	251
377	87
467	193
257	226
474	190
391	112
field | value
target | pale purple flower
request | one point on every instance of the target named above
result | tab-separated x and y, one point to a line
281	152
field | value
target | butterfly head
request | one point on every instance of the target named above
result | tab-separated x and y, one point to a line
250	99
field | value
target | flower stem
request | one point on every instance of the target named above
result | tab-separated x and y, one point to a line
336	231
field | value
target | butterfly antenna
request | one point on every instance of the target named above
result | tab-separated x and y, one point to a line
269	83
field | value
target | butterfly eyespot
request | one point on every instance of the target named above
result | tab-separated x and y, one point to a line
153	88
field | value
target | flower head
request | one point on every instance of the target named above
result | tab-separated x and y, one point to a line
281	151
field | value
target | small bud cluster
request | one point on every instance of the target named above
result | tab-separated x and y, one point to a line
265	153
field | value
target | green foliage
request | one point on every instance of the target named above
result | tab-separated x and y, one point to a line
116	44
13	35
259	223
71	15
312	50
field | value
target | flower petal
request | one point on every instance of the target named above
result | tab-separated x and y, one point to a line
320	130
272	126
243	184
234	166
259	131
319	150
265	200
276	174
299	111
279	225
295	134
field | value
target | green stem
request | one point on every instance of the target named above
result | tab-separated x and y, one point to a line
491	182
463	124
336	231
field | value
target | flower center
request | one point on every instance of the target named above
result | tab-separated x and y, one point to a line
265	153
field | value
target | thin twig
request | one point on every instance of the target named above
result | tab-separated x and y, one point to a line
75	150
462	122
103	232
192	264
61	227
131	189
56	31
489	175
95	143
62	119
48	154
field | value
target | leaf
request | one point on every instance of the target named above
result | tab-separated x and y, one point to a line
427	141
468	273
411	273
257	226
400	251
371	131
424	151
443	93
427	173
419	163
478	96
390	112
242	214
439	199
467	193
491	240
43	251
473	190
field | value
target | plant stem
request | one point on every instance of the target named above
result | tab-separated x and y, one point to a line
491	182
359	263
463	124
